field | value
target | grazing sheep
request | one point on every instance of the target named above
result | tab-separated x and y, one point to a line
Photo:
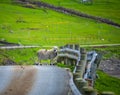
47	54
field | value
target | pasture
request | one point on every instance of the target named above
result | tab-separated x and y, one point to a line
107	83
18	56
109	9
46	27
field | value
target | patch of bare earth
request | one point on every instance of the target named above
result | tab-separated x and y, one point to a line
111	67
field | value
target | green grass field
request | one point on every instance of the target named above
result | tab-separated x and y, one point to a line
46	27
19	56
107	83
109	9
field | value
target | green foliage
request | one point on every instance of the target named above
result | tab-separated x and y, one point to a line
107	83
65	66
19	56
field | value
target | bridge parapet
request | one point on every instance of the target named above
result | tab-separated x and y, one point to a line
86	64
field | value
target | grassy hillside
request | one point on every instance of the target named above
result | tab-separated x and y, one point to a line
104	8
107	83
46	27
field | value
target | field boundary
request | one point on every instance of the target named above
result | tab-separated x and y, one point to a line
72	12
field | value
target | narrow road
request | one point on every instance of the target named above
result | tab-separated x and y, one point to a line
15	47
34	80
95	45
100	45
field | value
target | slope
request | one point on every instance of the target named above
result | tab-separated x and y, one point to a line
42	26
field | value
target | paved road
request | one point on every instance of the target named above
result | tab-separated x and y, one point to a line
100	45
34	80
15	47
95	45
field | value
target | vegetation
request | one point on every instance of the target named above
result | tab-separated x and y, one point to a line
107	83
66	66
19	56
46	27
103	8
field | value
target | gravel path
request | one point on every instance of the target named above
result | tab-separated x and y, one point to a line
111	67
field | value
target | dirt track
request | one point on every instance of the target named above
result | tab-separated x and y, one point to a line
111	67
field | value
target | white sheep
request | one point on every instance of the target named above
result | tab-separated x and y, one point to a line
44	54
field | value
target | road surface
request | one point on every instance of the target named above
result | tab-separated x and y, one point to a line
17	47
34	80
95	45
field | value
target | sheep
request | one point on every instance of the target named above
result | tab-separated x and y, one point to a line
44	54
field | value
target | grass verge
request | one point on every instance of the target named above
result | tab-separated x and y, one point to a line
19	56
107	83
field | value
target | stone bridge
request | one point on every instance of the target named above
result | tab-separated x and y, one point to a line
36	80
